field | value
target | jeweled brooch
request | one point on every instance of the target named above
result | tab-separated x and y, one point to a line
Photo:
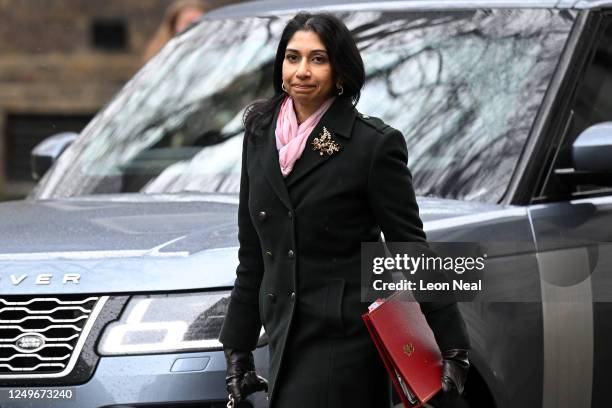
325	144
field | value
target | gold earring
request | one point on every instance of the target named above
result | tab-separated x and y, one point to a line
340	90
283	87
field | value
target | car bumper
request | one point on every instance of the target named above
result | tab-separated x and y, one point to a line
163	380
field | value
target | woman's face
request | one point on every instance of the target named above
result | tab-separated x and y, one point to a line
307	72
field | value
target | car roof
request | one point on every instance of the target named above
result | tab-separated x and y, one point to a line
277	7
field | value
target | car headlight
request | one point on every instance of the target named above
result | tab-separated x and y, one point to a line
166	323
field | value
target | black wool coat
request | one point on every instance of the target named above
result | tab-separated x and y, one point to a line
299	260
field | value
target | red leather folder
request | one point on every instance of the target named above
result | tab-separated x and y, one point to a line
407	347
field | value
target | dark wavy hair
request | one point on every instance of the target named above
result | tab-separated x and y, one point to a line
344	57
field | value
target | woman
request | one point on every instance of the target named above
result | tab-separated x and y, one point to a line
178	16
318	179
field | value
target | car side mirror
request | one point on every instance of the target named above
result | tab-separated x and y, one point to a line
591	157
592	150
48	151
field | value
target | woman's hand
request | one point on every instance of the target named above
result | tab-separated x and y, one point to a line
241	379
455	366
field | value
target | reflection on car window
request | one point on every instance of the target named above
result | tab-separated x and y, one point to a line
463	87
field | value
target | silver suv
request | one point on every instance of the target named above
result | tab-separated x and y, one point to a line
115	273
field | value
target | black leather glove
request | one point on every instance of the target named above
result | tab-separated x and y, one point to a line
455	366
241	379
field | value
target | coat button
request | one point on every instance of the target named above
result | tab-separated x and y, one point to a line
269	253
293	296
262	215
272	297
291	254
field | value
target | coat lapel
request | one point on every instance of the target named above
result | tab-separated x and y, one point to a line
272	166
338	120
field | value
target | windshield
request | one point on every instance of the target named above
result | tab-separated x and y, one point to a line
463	87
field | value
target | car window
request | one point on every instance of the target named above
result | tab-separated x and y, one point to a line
463	87
592	105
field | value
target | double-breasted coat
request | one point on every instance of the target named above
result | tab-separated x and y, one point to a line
300	254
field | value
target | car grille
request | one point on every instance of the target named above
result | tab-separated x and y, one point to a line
42	336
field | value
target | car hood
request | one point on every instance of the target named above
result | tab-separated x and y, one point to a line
131	242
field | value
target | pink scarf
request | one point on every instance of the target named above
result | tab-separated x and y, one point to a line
291	137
